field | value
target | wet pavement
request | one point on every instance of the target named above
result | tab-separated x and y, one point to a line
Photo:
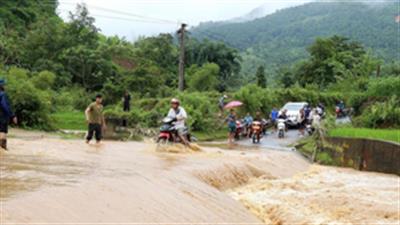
272	142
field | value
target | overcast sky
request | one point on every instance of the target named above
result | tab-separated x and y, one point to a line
116	17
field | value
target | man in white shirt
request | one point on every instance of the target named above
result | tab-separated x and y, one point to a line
179	113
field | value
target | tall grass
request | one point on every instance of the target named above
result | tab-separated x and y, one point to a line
379	134
70	120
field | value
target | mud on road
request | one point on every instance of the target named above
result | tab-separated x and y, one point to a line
46	180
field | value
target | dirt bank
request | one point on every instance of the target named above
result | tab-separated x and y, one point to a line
65	181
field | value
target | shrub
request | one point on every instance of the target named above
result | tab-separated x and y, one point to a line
31	105
44	80
73	98
382	114
384	87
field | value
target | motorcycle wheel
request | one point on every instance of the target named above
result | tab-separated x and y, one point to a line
162	141
254	139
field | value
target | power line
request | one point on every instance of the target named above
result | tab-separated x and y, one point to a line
113	11
123	18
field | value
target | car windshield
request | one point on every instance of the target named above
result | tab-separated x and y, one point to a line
293	107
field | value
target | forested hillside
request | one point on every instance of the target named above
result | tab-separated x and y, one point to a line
282	37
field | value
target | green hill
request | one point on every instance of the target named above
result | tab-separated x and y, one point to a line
282	37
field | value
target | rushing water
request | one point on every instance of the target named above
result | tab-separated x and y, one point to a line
66	181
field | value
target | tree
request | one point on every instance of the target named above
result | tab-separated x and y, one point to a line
260	76
205	78
227	58
333	59
286	77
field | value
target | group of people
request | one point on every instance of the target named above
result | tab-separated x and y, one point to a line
307	115
96	121
97	124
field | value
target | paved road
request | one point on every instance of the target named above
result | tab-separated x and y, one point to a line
271	141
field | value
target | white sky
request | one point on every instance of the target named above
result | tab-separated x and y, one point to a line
191	12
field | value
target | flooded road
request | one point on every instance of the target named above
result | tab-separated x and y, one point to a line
50	180
271	141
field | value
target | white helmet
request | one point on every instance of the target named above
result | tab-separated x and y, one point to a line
175	101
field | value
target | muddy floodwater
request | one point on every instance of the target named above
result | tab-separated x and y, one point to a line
50	180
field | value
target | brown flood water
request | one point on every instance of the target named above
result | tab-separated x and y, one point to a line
66	181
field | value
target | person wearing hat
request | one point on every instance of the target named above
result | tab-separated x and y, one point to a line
6	114
179	113
95	119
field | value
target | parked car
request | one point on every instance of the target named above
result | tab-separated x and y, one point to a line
293	112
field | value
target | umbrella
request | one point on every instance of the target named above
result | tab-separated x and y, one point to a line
233	104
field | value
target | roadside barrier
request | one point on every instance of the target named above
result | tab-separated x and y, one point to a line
367	154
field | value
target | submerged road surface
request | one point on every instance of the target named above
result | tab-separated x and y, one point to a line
271	141
58	181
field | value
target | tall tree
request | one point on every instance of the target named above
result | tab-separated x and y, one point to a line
260	76
333	59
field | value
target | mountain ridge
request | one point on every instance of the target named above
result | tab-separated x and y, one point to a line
282	37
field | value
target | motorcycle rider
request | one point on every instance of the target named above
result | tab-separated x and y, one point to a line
307	112
180	115
340	105
260	119
283	115
248	120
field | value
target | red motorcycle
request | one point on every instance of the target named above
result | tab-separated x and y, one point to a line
256	130
239	129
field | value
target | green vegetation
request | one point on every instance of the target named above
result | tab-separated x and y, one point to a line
54	68
70	120
281	38
379	134
211	136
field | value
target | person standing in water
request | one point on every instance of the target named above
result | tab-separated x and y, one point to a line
231	120
95	120
6	115
126	105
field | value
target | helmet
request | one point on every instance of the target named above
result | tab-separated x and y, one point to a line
175	101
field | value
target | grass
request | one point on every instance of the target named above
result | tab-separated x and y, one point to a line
70	120
211	136
378	134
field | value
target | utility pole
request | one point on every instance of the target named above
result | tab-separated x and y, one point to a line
181	33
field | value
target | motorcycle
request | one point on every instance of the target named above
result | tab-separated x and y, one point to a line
281	128
256	130
169	133
239	129
309	129
339	112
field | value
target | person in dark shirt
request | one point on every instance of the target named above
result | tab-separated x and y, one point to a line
6	114
127	101
126	106
283	115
